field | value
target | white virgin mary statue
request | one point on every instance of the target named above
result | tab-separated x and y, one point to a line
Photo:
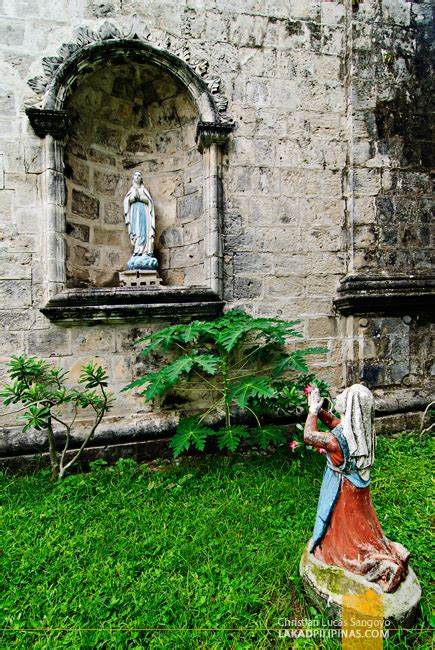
140	219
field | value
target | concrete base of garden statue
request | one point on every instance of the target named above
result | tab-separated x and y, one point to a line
326	584
139	278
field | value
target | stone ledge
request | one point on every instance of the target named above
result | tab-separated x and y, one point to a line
326	584
75	306
385	295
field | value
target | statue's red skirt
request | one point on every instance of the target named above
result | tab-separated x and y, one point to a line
354	540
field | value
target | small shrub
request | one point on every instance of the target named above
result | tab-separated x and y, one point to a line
40	389
242	362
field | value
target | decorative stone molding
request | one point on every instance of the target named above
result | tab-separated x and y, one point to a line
208	133
91	306
138	32
383	294
48	122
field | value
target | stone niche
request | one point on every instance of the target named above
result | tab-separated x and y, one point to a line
126	117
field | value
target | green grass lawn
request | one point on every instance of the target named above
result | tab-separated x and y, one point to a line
206	548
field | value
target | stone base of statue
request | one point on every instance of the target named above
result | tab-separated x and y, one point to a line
325	586
142	263
148	279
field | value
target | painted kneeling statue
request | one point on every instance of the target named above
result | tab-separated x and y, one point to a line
347	532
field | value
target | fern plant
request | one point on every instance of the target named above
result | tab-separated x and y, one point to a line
242	362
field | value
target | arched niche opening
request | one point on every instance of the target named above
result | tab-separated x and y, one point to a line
113	107
126	117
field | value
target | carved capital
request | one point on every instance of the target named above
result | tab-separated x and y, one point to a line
208	133
48	122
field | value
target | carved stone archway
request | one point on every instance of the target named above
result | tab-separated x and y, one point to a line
91	51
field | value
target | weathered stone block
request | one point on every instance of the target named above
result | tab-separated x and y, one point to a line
11	342
396	12
365	237
367	182
276	240
54	341
322	328
248	31
101	157
15	266
78	231
12	33
17	319
315	263
332	13
311	183
112	213
15	294
171	237
217	27
108	137
104	237
190	207
7	100
84	205
194	276
266	180
247	288
105	183
91	340
283	288
173	277
82	256
321	238
253	263
185	256
258	92
322	285
121	369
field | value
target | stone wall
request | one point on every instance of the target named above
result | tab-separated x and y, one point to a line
392	137
325	176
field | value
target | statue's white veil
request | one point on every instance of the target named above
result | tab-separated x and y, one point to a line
357	407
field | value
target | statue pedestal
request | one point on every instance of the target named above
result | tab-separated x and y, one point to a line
140	278
325	586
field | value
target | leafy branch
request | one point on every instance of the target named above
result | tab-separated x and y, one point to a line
41	391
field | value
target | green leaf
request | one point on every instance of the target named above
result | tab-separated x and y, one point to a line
192	330
229	338
209	363
182	365
269	434
138	382
295	360
36	417
164	339
11	394
230	438
189	432
250	387
93	375
26	368
157	385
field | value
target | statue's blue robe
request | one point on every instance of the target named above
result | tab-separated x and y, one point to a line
139	222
